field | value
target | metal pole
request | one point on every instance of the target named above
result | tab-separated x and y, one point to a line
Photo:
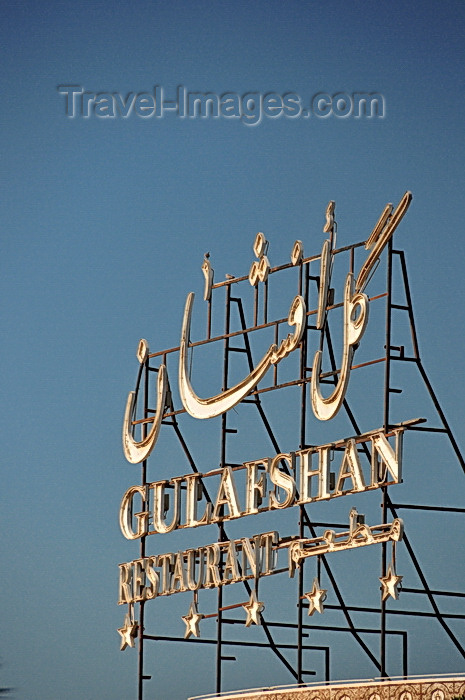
140	656
303	420
221	533
387	389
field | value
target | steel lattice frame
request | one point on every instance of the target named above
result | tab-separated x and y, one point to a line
172	417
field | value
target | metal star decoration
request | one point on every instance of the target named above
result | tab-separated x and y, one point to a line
191	620
128	632
389	583
316	597
253	609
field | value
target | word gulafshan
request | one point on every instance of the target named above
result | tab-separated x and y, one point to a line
285	480
355	319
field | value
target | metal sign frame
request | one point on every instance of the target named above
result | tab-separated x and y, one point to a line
313	538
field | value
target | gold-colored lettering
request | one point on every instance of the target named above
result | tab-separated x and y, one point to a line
227	496
125	576
282	480
350	469
126	514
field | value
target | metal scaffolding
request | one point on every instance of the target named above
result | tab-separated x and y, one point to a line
294	656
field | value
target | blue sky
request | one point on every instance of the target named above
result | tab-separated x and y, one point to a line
104	226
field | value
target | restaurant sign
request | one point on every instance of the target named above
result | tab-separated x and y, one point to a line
272	482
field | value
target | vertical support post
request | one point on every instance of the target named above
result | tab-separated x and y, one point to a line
255	305
303	419
299	605
221	533
219	635
265	302
227	328
304	360
387	389
209	319
140	655
405	655
276	342
383	602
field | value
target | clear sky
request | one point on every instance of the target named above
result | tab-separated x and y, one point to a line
104	226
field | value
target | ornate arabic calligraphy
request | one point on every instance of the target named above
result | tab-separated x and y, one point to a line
216	405
356	307
361	535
